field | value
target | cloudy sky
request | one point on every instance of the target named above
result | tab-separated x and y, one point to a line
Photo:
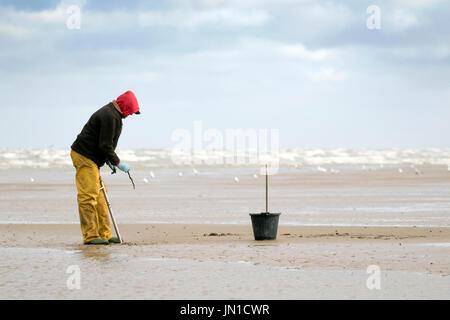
312	69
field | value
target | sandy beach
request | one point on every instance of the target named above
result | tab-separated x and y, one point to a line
396	248
179	261
190	236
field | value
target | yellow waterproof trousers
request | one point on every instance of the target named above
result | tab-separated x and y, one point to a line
94	218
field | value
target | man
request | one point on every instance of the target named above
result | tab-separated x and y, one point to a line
94	147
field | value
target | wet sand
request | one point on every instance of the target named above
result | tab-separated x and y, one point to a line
429	248
380	196
167	261
190	237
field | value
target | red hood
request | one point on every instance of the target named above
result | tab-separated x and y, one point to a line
128	103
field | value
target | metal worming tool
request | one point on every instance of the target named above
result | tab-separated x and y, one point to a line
116	228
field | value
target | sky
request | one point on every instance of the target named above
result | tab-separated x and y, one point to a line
312	69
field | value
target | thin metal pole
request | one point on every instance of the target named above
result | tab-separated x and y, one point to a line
267	192
102	187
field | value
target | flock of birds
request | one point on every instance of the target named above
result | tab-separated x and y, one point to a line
194	172
296	166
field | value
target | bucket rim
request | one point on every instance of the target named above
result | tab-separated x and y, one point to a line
265	214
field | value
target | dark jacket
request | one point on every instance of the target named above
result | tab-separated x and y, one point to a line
98	139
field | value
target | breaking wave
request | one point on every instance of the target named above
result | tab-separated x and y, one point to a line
52	157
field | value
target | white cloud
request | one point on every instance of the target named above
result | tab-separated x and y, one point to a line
55	16
319	18
402	19
17	23
254	57
417	3
328	74
12	30
195	18
436	53
235	3
257	49
301	52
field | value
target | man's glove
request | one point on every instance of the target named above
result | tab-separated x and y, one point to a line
113	168
123	166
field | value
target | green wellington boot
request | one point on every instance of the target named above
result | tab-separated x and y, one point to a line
114	240
98	241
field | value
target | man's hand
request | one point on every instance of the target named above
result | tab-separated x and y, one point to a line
113	168
123	166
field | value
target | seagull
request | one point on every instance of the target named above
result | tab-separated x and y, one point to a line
195	171
321	169
152	175
145	180
400	170
256	176
31	179
236	179
180	174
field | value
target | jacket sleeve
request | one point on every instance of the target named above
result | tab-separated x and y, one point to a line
108	127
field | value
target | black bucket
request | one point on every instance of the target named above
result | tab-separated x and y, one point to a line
265	225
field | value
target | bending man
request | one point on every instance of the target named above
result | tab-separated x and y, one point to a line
94	147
